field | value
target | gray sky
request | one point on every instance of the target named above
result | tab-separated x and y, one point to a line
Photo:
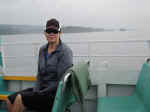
93	13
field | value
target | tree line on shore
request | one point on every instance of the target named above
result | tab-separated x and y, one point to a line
6	29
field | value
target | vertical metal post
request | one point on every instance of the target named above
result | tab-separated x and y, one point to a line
89	51
35	47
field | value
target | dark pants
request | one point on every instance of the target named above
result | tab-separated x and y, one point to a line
34	101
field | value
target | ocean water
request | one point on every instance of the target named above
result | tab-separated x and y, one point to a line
80	37
117	51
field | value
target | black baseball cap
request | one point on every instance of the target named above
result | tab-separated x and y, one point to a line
53	24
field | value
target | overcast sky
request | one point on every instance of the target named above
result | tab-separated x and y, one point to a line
93	13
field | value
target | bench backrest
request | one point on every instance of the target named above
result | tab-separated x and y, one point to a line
80	80
143	85
63	100
67	97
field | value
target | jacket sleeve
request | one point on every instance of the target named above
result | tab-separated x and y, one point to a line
65	62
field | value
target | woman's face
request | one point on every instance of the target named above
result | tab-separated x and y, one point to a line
52	37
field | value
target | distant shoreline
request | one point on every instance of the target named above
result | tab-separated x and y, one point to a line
30	29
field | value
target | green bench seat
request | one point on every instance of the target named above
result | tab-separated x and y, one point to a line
3	84
6	92
3	89
138	102
3	110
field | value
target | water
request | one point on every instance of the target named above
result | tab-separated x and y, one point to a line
115	51
80	37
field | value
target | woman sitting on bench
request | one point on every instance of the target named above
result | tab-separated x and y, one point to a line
54	59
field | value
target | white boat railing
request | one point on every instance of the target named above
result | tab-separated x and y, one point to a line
120	58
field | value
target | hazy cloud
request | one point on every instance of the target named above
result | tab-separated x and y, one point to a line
95	13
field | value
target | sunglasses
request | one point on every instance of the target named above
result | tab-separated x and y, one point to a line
51	31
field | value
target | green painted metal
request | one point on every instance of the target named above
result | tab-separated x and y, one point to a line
63	100
6	92
3	110
143	85
80	80
3	86
120	104
138	102
78	83
1	58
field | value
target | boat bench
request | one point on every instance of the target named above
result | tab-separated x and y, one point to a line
138	102
76	79
3	84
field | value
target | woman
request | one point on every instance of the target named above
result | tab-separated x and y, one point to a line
54	59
